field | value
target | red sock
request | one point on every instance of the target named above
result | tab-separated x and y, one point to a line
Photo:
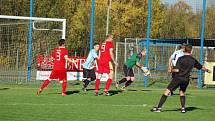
107	86
45	83
64	85
97	85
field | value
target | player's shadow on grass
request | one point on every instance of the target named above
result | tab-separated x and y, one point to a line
135	90
114	92
1	89
187	109
72	92
90	89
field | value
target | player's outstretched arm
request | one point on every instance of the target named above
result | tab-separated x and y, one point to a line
205	69
199	66
139	65
144	69
68	59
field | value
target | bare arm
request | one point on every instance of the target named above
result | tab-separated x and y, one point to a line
170	65
205	69
68	59
144	69
112	56
139	65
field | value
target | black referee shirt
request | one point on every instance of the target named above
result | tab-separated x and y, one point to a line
185	64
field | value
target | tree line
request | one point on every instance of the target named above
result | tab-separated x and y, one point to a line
128	18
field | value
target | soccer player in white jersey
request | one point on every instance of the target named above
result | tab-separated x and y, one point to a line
88	67
173	60
174	57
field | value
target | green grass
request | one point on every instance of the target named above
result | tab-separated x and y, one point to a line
20	103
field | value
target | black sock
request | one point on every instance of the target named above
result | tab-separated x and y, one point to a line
86	82
128	83
182	99
122	80
162	101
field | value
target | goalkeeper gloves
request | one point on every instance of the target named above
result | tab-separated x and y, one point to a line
145	70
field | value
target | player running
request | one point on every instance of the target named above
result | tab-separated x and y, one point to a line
184	66
106	55
88	67
132	61
60	56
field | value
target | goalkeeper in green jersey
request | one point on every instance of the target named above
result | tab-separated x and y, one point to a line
133	60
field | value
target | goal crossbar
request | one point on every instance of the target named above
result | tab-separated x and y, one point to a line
40	19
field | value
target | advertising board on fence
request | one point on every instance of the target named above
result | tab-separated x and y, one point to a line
74	70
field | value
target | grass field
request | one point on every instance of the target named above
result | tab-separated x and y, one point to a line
20	103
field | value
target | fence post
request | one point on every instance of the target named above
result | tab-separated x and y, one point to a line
92	23
200	83
30	42
148	40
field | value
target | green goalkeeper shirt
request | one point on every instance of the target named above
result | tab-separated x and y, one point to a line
132	60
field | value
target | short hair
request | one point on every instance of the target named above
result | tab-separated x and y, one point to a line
96	43
109	35
144	49
179	47
188	48
61	42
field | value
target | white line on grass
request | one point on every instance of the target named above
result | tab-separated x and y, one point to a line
112	105
57	104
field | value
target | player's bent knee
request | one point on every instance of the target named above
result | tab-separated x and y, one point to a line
49	79
167	91
98	76
128	78
132	78
181	93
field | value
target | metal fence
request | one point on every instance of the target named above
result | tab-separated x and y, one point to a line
150	19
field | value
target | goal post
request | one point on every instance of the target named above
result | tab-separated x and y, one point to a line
14	34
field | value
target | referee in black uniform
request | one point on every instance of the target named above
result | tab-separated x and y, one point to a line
184	66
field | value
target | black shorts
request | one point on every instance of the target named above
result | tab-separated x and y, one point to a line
128	71
173	74
175	83
89	73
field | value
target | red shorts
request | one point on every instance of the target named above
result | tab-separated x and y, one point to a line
103	67
58	74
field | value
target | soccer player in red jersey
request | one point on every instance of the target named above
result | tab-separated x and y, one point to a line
106	56
60	56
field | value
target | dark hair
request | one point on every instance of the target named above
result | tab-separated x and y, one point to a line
61	42
139	55
179	47
109	35
188	48
96	43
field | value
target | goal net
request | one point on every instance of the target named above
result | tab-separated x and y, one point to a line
158	57
14	43
123	51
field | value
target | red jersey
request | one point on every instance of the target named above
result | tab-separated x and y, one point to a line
105	51
59	60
